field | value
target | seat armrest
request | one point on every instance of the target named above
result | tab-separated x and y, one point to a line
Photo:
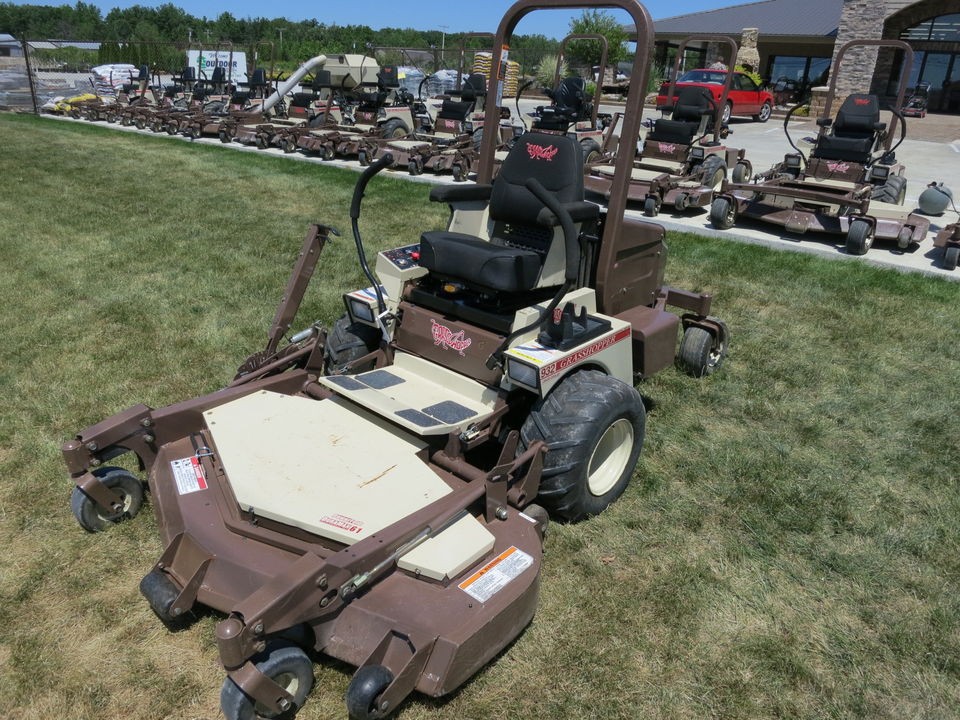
460	193
824	122
880	126
580	211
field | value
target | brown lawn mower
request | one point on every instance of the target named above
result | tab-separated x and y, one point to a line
447	144
491	366
949	239
851	184
683	160
374	106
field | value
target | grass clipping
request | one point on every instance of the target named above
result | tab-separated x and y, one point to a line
788	548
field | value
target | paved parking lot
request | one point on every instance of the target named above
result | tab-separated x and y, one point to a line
931	153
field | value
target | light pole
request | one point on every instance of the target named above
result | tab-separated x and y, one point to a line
281	41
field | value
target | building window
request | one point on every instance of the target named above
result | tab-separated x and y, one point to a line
945	28
4	51
798	72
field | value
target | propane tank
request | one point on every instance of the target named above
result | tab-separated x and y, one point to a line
935	199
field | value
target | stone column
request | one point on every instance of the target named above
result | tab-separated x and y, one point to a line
859	20
748	55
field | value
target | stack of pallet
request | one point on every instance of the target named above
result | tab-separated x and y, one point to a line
107	78
481	64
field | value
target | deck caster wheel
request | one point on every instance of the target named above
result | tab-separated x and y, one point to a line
140	123
722	213
651	207
286	665
366	686
951	255
699	356
682	202
94	518
289	146
859	237
904	238
414	167
326	153
740	173
540	516
362	158
457	172
594	425
262	142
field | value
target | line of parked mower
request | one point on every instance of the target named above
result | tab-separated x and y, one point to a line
352	108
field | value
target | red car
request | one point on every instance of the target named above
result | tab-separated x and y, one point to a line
745	96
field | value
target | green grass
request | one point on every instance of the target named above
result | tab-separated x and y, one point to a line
789	548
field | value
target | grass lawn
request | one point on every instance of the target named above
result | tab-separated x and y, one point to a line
790	545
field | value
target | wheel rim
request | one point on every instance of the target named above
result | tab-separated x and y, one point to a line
765	112
289	682
727	112
610	457
112	517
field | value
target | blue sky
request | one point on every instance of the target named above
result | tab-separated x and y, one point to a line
483	16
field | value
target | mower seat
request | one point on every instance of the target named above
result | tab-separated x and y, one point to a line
475	86
693	106
569	105
453	110
854	133
513	259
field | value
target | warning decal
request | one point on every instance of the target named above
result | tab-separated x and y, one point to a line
494	576
188	475
344	523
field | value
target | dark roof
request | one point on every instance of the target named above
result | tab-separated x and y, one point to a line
810	18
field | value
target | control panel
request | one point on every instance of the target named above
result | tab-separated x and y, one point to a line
403	257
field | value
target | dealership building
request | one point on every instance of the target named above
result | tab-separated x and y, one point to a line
796	41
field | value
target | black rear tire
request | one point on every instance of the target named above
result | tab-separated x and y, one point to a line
347	342
713	171
394	129
893	191
591	151
593	425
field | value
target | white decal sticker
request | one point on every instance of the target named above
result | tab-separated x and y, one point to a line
188	474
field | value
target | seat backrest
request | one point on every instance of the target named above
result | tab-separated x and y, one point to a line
555	160
321	80
189	74
219	75
857	117
692	104
570	97
473	87
143	74
388	77
259	78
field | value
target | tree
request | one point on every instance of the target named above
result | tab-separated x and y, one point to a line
587	53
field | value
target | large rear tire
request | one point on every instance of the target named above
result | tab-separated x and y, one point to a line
593	426
893	191
713	171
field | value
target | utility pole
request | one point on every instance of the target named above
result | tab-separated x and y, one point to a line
443	40
280	30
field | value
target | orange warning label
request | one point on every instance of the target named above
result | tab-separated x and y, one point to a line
494	576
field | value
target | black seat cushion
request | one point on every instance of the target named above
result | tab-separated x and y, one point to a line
456	255
854	132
